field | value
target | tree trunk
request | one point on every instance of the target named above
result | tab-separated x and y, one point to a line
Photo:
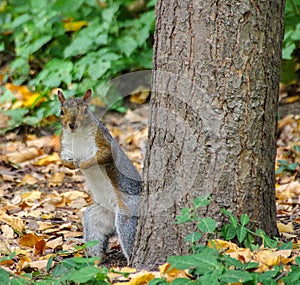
212	124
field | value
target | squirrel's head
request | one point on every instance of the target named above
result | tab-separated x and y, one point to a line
75	113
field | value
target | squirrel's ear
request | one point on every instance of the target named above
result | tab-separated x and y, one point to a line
87	97
61	97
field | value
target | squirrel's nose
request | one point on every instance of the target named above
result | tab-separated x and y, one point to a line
72	126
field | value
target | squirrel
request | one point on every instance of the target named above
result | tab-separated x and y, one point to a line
113	181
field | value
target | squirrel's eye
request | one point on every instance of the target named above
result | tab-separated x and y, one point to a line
86	110
61	112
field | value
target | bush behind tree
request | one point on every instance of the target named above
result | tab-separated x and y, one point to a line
73	45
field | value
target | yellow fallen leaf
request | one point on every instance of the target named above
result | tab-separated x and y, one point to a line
23	155
7	231
39	264
15	222
289	228
73	195
28	179
29	240
31	196
52	158
139	95
74	26
268	257
171	273
39	247
57	179
54	243
25	98
222	244
45	225
142	278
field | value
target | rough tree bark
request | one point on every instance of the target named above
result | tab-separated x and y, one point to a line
213	118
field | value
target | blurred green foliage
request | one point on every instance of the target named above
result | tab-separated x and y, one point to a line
83	44
290	50
73	45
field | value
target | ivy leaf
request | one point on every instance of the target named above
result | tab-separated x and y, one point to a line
202	262
207	225
127	45
245	219
193	237
241	233
235	276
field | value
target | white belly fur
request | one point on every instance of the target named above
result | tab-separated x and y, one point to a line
100	186
79	147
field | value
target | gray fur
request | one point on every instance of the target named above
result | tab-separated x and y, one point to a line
105	217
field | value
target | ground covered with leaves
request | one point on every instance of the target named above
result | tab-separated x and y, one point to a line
42	203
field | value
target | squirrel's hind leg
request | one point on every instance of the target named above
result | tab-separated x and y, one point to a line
126	228
98	224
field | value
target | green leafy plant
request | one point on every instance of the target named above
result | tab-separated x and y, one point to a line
291	41
284	165
76	270
74	46
207	265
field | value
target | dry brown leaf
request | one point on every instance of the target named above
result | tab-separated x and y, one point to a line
45	225
28	179
39	247
69	234
24	260
55	243
5	247
7	231
31	196
23	155
71	26
141	278
25	97
15	222
268	258
74	195
39	264
222	245
289	228
8	177
57	179
171	273
49	159
29	240
139	95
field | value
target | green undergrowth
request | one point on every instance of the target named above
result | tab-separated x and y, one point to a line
73	45
208	265
205	264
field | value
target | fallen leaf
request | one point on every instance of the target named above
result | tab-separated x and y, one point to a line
15	222
57	179
7	231
170	273
55	243
74	26
28	179
29	240
39	247
49	159
23	155
289	228
142	278
39	264
45	225
139	95
31	196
